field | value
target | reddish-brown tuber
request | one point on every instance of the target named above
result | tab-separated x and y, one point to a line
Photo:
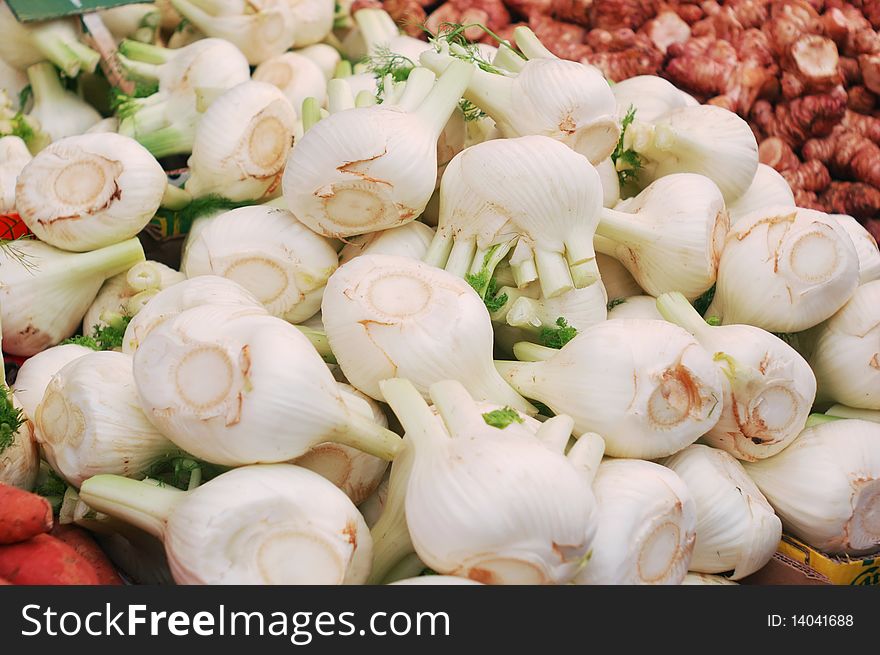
859	200
22	515
45	560
83	543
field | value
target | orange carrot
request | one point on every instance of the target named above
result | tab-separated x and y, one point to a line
22	515
45	560
83	543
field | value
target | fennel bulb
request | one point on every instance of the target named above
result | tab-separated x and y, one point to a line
25	44
268	252
357	473
846	354
651	97
45	292
197	291
60	113
784	269
408	240
36	372
19	453
610	182
235	389
381	36
165	122
768	387
565	100
679	218
580	308
635	307
647	525
268	524
90	191
12	81
490	503
313	20
391	316
616	279
371	168
140	21
646	386
767	188
866	247
296	75
126	294
325	56
261	29
530	187
702	139
736	527
241	144
14	156
90	422
842	411
826	486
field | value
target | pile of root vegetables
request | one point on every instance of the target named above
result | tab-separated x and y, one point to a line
804	73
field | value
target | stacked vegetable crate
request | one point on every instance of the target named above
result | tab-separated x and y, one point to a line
596	338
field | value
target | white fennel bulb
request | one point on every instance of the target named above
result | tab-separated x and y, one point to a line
646	386
408	240
842	411
703	139
90	191
650	96
14	156
126	294
679	218
90	421
391	316
140	21
296	75
268	252
165	122
491	503
767	188
826	486
269	524
634	307
313	20
617	280
197	291
380	35
357	473
372	168
45	292
846	354
737	529
261	30
532	190
436	580
565	100
12	80
235	389
60	112
580	308
784	269
647	525
36	372
241	144
19	453
768	387
866	247
25	44
610	182
325	56
706	579
373	506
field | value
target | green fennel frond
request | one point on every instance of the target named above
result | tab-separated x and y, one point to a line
82	340
11	419
628	163
501	418
614	303
556	337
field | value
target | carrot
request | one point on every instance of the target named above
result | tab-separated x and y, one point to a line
4	581
83	543
22	515
45	560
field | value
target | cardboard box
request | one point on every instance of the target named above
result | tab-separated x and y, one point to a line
796	563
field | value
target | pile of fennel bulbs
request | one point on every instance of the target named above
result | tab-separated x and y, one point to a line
476	313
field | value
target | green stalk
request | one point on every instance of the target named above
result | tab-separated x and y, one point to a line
339	96
530	44
320	342
376	27
343	70
367	435
519	375
675	308
145	52
364	99
439	250
461	256
45	82
526	351
621	227
56	51
167	141
842	411
524	272
87	57
391	540
456	408
554	274
818	419
141	70
174	199
141	504
444	96
508	59
107	261
415	91
311	113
